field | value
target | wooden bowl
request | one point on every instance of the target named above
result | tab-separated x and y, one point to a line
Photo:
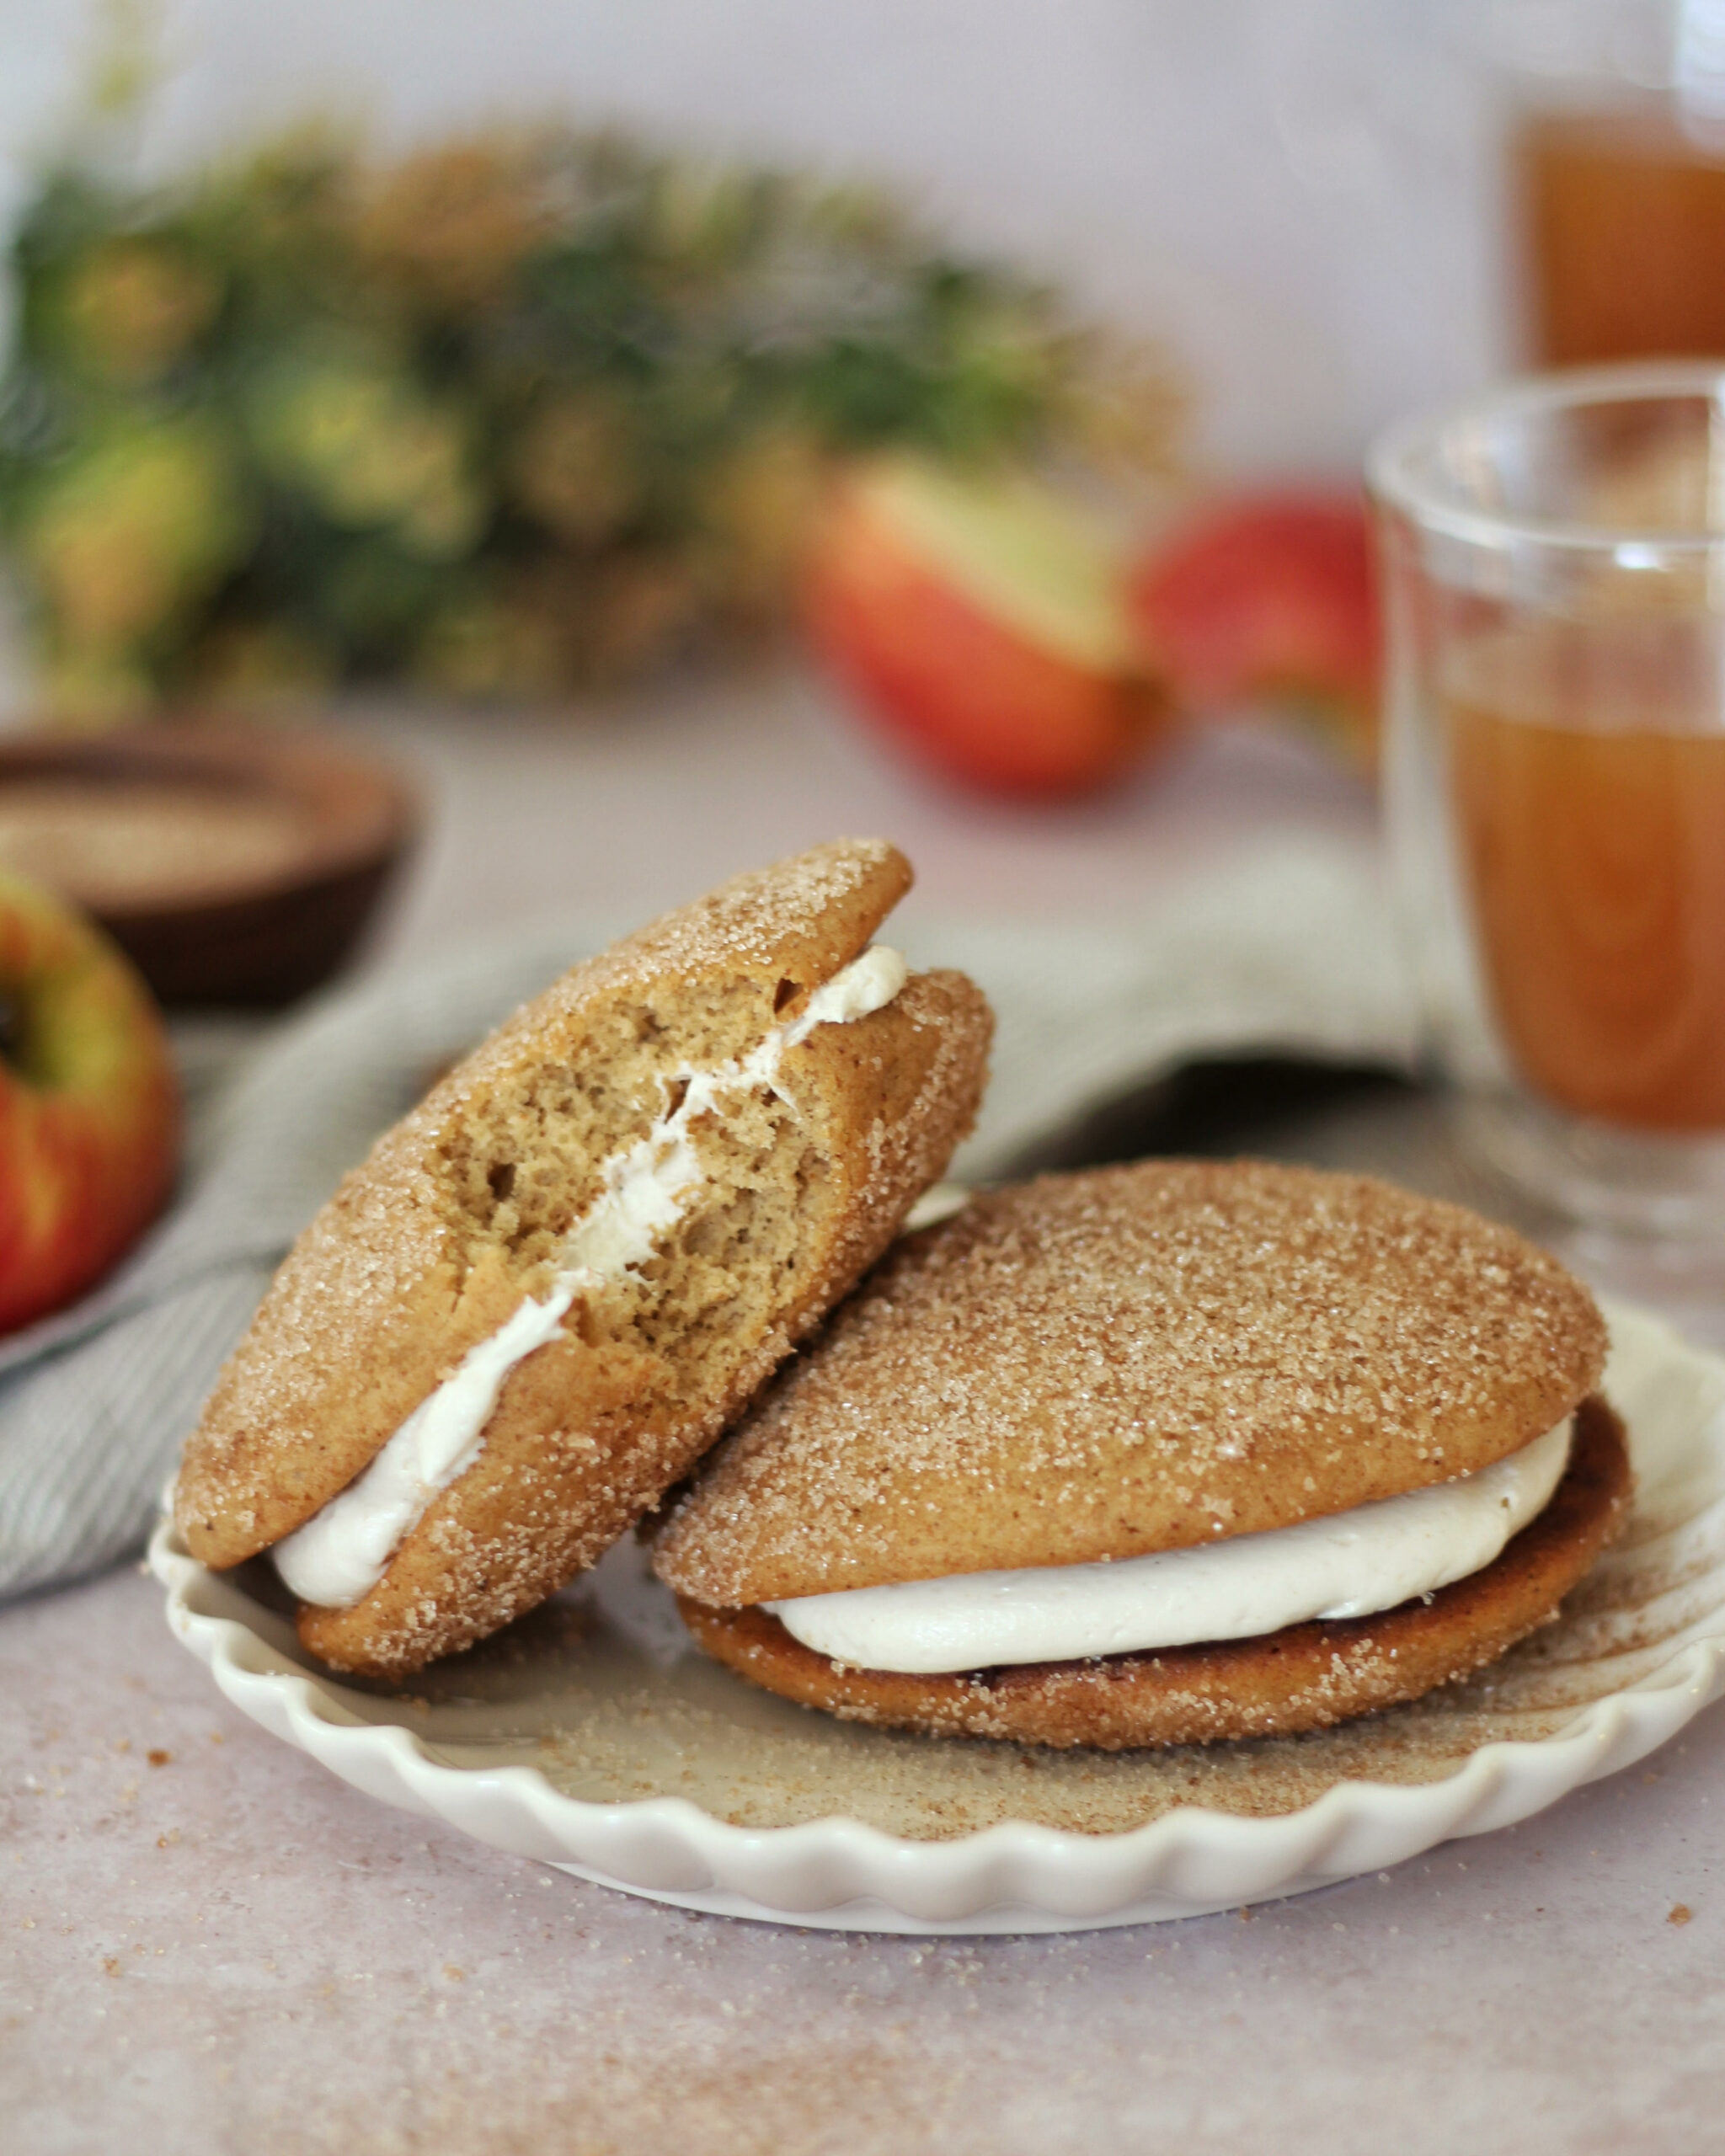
233	864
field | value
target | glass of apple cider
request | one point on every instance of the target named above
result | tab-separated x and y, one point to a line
1623	226
1553	562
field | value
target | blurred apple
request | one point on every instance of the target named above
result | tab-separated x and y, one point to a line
1270	597
980	621
89	1116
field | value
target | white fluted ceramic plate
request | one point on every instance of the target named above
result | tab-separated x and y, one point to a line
593	1736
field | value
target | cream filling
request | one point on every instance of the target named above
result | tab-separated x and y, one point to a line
340	1553
1353	1564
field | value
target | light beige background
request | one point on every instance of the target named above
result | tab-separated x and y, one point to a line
1295	192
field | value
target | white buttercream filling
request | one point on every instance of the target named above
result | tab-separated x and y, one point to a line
1352	1564
339	1555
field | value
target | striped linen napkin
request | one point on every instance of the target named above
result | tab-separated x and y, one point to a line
1286	948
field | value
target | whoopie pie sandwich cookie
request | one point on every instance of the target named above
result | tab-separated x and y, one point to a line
1158	1454
551	1286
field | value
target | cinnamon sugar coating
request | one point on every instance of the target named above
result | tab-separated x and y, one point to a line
1136	1359
1303	1677
431	1245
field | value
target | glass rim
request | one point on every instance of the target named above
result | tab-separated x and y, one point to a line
1391	478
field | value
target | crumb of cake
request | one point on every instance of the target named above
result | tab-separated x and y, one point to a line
459	1219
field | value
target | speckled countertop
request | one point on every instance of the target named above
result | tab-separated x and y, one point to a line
207	1943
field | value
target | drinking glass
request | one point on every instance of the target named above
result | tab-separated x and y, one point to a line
1616	135
1552	556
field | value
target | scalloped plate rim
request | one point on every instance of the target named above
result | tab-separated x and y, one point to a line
1012	1875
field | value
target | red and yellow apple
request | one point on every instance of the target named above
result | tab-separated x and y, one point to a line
89	1112
1268	597
979	620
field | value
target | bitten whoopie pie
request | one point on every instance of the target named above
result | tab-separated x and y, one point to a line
550	1289
1158	1454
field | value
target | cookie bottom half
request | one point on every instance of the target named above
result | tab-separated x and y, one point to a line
1303	1677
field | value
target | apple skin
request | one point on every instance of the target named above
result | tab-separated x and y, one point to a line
90	1108
1270	596
950	653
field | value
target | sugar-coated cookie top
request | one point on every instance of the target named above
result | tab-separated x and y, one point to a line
1133	1359
807	916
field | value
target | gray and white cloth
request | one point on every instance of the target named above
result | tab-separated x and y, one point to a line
1287	949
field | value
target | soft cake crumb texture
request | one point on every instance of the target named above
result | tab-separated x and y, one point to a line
429	1247
1133	1359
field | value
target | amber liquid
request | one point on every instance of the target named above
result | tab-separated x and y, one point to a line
1625	223
1588	765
